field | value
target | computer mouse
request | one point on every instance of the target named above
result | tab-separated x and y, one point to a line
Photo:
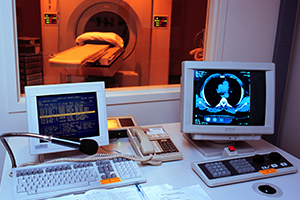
267	189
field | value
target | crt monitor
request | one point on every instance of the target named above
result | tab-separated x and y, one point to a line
227	101
76	110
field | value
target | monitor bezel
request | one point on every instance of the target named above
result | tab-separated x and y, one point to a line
218	132
31	94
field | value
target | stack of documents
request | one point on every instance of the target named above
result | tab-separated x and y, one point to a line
159	192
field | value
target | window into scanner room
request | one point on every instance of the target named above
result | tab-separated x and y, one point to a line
122	42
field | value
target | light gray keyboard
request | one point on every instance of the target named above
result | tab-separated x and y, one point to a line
239	169
56	179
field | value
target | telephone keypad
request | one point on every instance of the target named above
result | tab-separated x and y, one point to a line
167	146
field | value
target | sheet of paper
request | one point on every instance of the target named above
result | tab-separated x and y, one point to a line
157	188
69	197
194	192
123	193
157	192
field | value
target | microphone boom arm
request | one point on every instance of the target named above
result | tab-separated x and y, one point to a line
19	134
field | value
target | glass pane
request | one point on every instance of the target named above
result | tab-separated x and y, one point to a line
124	43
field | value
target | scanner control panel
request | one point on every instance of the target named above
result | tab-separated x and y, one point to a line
239	169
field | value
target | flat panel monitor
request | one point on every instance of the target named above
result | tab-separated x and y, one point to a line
75	110
227	101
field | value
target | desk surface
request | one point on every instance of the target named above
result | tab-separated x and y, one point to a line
177	173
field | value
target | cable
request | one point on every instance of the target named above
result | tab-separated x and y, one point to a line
111	150
198	52
102	156
201	39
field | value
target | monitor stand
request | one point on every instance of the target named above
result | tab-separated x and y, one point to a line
212	148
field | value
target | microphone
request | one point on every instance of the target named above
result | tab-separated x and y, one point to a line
89	147
86	146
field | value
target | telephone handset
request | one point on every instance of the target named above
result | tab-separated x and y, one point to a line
145	145
153	141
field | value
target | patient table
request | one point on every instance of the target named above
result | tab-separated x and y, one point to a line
89	59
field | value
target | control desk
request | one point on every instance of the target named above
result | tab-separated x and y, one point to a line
179	173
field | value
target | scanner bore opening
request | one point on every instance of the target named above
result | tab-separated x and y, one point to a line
102	9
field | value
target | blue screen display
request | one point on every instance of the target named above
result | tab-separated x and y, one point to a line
71	115
229	97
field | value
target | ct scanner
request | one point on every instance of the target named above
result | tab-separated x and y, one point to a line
144	26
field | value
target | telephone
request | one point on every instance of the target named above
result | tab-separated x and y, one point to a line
153	141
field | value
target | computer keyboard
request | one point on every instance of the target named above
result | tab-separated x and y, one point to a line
233	170
56	179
